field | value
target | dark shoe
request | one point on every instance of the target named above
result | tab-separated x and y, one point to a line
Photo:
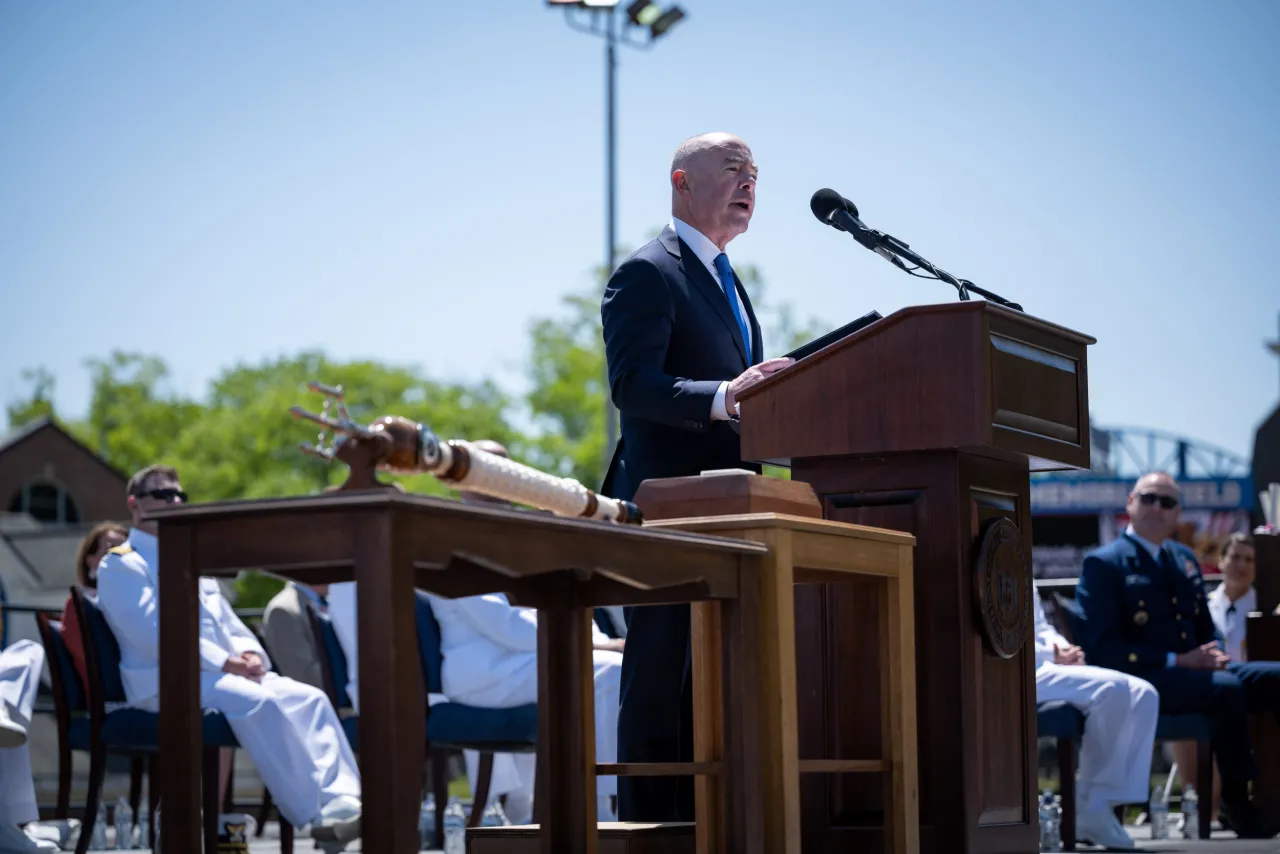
1243	818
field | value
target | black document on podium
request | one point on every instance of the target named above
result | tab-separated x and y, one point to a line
808	349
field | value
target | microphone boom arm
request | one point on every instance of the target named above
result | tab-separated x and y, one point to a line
835	210
901	250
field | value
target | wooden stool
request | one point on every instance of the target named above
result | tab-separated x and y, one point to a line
802	550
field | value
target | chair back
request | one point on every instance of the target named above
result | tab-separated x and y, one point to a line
333	660
429	645
258	634
101	656
605	622
68	694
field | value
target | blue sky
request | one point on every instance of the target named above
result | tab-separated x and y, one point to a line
414	181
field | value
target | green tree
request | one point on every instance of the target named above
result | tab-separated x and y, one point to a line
38	405
567	398
134	419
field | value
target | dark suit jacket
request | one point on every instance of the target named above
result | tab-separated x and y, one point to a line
287	635
1137	611
670	339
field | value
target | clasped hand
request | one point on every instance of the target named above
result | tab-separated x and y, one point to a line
1069	655
1204	657
248	664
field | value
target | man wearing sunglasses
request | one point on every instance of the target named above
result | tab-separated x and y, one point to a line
289	729
1146	613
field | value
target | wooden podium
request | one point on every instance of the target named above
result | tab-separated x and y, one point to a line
928	421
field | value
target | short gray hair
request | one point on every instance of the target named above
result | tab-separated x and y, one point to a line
693	146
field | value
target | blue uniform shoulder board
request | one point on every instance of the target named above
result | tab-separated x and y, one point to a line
122	549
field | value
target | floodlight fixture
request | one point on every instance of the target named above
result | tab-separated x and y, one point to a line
643	13
666	21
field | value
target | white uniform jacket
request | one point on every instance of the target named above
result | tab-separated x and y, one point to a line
129	595
481	638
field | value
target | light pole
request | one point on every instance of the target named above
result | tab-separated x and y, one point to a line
642	16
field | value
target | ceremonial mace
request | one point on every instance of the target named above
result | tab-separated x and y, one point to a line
397	445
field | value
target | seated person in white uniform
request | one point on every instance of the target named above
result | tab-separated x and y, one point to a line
20	666
289	729
490	661
1119	731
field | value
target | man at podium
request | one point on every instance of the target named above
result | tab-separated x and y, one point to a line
681	340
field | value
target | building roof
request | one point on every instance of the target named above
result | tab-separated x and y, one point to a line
16	439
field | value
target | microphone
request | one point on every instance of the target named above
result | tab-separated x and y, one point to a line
841	214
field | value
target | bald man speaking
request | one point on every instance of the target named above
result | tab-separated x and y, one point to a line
681	342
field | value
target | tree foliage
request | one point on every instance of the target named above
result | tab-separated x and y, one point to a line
38	405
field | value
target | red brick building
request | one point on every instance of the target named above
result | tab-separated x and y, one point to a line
53	489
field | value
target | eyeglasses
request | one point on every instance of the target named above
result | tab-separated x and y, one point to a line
1150	498
167	494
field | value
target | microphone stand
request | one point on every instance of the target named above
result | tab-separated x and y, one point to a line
892	248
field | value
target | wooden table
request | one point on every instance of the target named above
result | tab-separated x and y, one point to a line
390	543
802	551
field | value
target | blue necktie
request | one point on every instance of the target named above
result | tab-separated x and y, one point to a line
731	294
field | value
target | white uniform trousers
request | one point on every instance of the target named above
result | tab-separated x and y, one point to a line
1119	730
20	666
513	773
292	734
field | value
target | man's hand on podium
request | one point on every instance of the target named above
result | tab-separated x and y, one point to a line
751	376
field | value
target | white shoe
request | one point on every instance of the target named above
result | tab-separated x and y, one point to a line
1102	828
61	832
339	820
14	841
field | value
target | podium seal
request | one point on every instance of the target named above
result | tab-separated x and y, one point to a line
1002	588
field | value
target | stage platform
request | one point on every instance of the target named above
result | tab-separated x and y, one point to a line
1222	843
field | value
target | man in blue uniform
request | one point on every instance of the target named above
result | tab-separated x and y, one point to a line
1146	613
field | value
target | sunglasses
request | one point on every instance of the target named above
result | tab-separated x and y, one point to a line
1150	498
167	495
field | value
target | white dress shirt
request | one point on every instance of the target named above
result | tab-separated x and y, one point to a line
1152	549
1230	618
707	253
